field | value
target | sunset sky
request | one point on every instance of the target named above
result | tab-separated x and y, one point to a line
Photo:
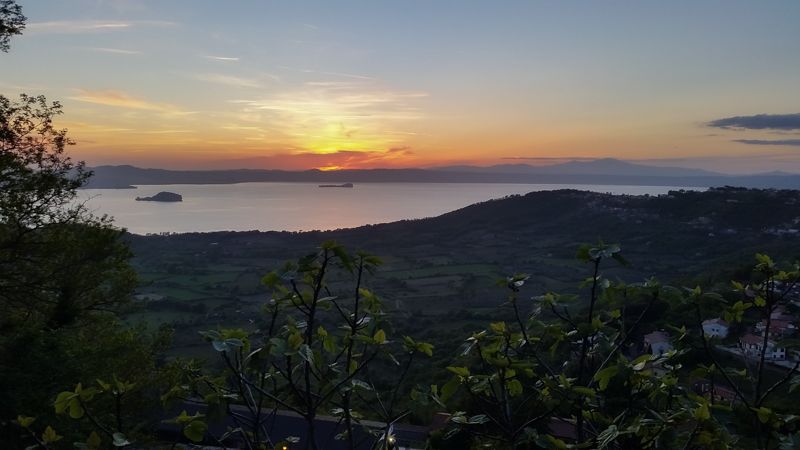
189	84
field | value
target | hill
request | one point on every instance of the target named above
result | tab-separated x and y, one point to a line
443	266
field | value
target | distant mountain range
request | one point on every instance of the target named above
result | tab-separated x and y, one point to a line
602	172
608	166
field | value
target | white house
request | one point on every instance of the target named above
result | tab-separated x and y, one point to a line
716	327
752	345
657	342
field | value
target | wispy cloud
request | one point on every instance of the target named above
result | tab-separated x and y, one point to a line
341	159
114	50
168	131
405	151
759	122
222	58
119	98
361	77
341	103
228	80
86	26
792	142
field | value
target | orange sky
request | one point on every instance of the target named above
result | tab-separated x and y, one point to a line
281	85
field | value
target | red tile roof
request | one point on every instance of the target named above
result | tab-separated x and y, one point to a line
751	339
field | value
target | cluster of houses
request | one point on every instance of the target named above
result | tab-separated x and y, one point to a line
781	325
750	345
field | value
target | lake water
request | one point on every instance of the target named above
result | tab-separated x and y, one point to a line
305	206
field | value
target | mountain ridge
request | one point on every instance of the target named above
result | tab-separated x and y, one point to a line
607	172
605	166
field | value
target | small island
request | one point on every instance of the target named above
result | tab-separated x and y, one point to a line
346	185
161	197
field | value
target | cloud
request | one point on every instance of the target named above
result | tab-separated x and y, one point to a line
118	98
114	50
792	142
339	159
759	122
357	115
85	26
228	80
223	58
406	151
328	73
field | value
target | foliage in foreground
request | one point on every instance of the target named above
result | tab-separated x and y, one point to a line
64	277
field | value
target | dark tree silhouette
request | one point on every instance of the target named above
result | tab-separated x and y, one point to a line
12	22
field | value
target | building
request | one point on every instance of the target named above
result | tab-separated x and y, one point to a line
657	342
752	345
778	329
655	369
716	327
704	387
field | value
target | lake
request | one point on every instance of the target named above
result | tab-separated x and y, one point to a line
306	206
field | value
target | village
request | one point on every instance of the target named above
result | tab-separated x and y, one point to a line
773	332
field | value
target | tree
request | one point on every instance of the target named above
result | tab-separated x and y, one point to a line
12	22
64	276
313	354
59	263
517	389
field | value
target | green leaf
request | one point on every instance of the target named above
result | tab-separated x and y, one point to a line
329	344
93	441
64	400
605	375
607	437
234	342
270	279
701	413
295	339
50	436
450	388
120	440
374	260
76	410
220	346
24	421
460	371
585	391
514	388
763	414
499	327
105	386
195	430
622	261
380	337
